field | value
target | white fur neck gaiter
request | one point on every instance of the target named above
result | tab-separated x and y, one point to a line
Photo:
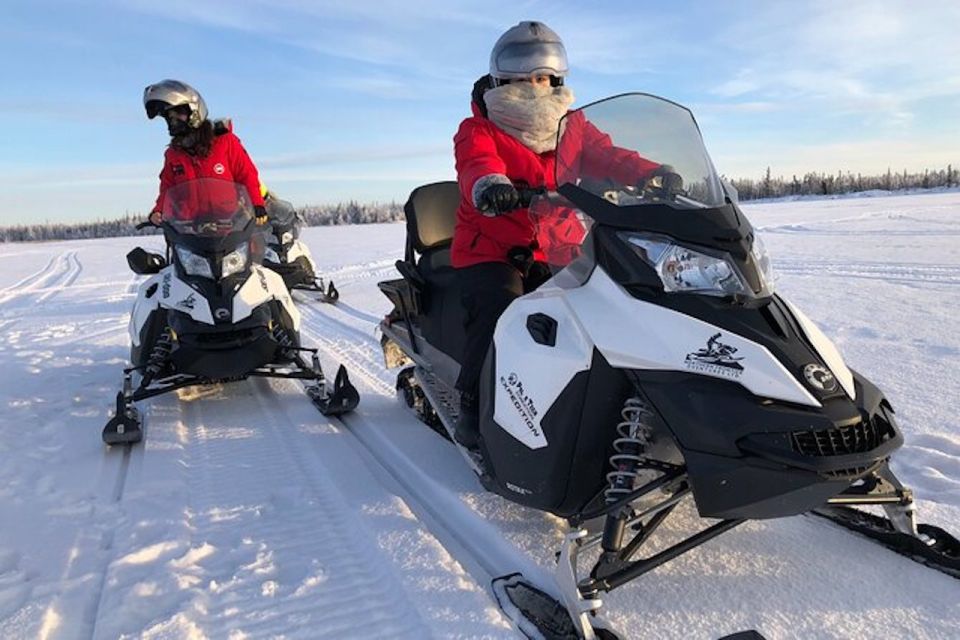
529	113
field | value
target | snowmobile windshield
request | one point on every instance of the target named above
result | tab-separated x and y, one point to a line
285	222
637	162
637	149
208	208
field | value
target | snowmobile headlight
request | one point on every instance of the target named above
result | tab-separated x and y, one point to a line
235	261
193	264
685	270
286	238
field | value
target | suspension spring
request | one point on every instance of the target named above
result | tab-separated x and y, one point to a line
159	354
284	339
633	435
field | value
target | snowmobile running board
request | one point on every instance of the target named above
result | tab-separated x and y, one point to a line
126	426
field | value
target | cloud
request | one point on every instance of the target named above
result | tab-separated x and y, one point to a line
874	58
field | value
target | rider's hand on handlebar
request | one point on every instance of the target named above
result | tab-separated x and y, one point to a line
498	199
260	215
155	218
671	183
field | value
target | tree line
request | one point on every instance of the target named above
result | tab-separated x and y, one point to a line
313	216
352	212
825	184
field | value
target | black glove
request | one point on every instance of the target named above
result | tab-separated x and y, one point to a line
670	181
498	199
260	214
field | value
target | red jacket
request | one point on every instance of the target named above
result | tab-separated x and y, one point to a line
228	160
482	148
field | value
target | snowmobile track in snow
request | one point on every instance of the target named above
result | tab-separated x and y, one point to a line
901	273
58	274
478	546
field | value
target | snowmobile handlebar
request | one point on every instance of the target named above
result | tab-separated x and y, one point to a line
143	225
526	195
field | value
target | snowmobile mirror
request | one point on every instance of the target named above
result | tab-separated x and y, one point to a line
730	190
144	263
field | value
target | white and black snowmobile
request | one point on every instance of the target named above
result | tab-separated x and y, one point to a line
288	255
209	312
657	365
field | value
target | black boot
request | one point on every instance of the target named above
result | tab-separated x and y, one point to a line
467	430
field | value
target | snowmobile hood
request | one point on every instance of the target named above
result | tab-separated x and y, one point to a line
724	227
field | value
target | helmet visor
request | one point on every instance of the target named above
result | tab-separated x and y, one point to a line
156	108
522	59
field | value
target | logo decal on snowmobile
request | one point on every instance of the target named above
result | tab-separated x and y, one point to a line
263	280
716	358
820	378
521	402
188	302
222	313
165	291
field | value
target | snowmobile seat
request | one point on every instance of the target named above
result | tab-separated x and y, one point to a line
431	214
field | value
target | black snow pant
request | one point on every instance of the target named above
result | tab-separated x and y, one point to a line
487	289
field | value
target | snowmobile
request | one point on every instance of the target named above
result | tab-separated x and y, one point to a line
210	313
288	255
656	365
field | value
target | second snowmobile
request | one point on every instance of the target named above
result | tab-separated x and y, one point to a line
657	365
288	255
210	313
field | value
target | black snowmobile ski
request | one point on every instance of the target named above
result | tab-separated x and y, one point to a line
536	613
329	294
934	548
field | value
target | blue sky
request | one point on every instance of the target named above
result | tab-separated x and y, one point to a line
359	100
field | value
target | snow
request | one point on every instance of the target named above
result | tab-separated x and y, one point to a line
247	514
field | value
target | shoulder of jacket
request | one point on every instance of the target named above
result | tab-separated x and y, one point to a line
222	126
474	124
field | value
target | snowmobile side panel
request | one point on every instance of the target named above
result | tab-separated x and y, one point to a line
826	349
668	340
531	374
148	300
299	250
579	427
263	285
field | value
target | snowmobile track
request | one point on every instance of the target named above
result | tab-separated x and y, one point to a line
478	545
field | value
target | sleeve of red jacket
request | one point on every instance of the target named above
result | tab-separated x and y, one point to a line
166	179
603	159
476	155
244	171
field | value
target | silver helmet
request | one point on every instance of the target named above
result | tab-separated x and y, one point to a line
159	97
526	49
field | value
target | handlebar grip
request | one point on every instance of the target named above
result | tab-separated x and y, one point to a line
144	225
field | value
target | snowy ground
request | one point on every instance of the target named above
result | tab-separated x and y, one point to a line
247	514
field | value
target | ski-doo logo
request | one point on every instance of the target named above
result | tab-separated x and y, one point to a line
521	402
188	302
263	280
716	359
218	169
820	378
165	285
222	313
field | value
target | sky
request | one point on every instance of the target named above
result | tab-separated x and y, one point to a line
356	100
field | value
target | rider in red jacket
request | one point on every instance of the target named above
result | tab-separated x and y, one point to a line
198	147
511	140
